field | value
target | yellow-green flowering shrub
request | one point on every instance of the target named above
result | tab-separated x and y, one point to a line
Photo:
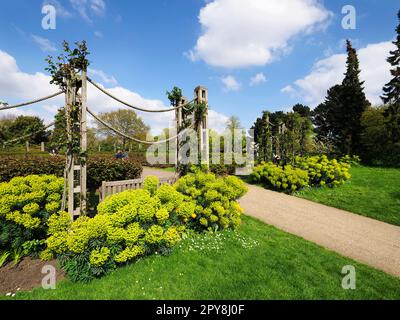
306	171
136	223
287	179
128	225
26	203
212	202
322	171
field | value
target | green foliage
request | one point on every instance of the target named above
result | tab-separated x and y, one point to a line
283	135
286	178
33	247
352	161
312	171
338	119
24	209
378	147
99	168
25	125
68	64
126	121
3	258
17	255
150	184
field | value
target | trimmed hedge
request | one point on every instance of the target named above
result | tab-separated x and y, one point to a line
99	168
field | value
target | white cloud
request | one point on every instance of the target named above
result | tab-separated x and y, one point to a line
287	89
103	76
217	121
44	44
258	79
230	83
17	86
239	33
330	71
87	8
60	9
98	34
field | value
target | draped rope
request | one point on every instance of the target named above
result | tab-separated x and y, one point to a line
135	107
7	107
132	138
30	134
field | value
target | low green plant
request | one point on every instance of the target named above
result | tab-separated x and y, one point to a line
33	247
351	160
17	255
3	258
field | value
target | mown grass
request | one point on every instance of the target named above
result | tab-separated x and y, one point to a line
256	262
371	192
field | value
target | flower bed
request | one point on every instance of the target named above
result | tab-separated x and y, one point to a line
129	225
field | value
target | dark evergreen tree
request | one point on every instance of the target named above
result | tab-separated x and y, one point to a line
391	96
338	119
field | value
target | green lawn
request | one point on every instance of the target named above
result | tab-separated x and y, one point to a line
256	262
371	192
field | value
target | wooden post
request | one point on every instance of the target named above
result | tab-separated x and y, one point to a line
70	156
201	94
27	146
42	147
178	118
83	127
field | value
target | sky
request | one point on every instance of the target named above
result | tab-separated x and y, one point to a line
252	55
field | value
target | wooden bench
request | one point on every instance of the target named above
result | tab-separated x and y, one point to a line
114	187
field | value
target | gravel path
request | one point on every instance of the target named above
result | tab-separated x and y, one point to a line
156	172
369	241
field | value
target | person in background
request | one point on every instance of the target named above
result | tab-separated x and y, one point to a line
119	155
126	154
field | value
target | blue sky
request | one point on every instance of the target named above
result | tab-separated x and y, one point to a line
292	49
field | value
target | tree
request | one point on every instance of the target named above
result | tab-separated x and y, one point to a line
125	121
58	138
338	119
24	125
302	110
391	96
5	123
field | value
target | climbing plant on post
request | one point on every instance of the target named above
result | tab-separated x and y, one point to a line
68	71
201	124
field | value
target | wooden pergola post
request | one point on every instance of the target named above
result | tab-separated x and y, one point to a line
69	101
83	133
201	94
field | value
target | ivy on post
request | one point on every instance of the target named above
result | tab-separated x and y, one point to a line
68	71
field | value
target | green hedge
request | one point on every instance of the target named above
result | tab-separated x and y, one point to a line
99	168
